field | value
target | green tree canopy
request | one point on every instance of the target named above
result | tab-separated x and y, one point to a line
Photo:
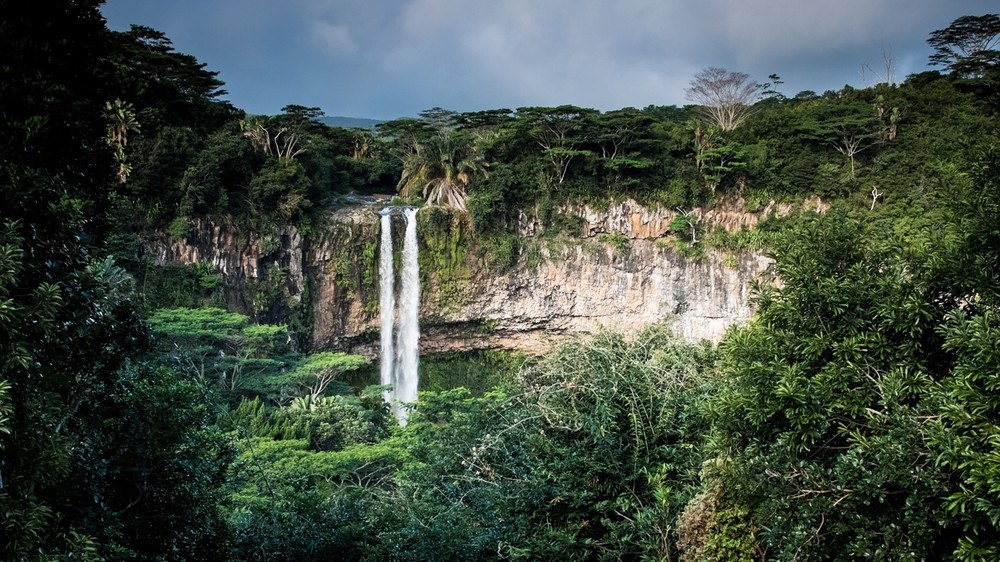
967	47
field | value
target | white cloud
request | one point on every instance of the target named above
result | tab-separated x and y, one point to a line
336	39
386	57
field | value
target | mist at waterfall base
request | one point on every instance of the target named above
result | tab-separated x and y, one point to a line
399	358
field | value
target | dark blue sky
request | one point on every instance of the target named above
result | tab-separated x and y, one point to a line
390	58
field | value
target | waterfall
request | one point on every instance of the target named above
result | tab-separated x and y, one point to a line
399	362
409	311
386	301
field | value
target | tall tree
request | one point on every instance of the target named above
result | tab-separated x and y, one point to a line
68	325
850	128
820	425
403	135
967	47
966	430
123	121
166	87
442	169
561	132
620	139
726	97
65	324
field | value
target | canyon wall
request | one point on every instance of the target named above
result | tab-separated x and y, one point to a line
553	289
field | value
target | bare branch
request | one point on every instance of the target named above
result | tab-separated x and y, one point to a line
726	98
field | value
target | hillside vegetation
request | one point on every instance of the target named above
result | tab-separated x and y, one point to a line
856	417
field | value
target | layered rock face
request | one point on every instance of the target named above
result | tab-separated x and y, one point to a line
244	259
582	285
238	256
588	288
633	220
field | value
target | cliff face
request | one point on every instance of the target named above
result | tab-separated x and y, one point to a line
576	286
252	264
588	288
632	220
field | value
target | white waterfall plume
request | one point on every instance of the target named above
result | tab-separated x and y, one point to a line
399	363
408	340
386	301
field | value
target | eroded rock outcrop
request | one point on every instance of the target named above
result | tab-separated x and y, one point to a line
244	258
589	288
579	285
633	220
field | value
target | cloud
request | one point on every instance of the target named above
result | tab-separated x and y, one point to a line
335	38
386	58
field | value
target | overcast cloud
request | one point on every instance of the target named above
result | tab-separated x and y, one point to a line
392	58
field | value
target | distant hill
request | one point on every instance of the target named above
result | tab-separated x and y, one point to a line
350	122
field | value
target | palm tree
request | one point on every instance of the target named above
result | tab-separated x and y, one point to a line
441	169
122	121
121	115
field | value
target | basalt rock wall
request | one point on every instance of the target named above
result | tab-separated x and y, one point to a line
578	285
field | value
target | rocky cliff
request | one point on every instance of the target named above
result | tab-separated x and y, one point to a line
551	290
587	288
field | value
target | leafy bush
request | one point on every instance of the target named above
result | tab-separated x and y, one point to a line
617	241
500	251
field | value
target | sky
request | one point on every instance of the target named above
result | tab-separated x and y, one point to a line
384	59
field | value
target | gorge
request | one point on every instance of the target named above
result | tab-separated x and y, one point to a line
647	333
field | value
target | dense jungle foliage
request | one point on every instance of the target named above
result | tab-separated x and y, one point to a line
856	417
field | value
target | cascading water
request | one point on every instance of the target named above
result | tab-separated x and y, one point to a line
409	322
399	363
386	301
